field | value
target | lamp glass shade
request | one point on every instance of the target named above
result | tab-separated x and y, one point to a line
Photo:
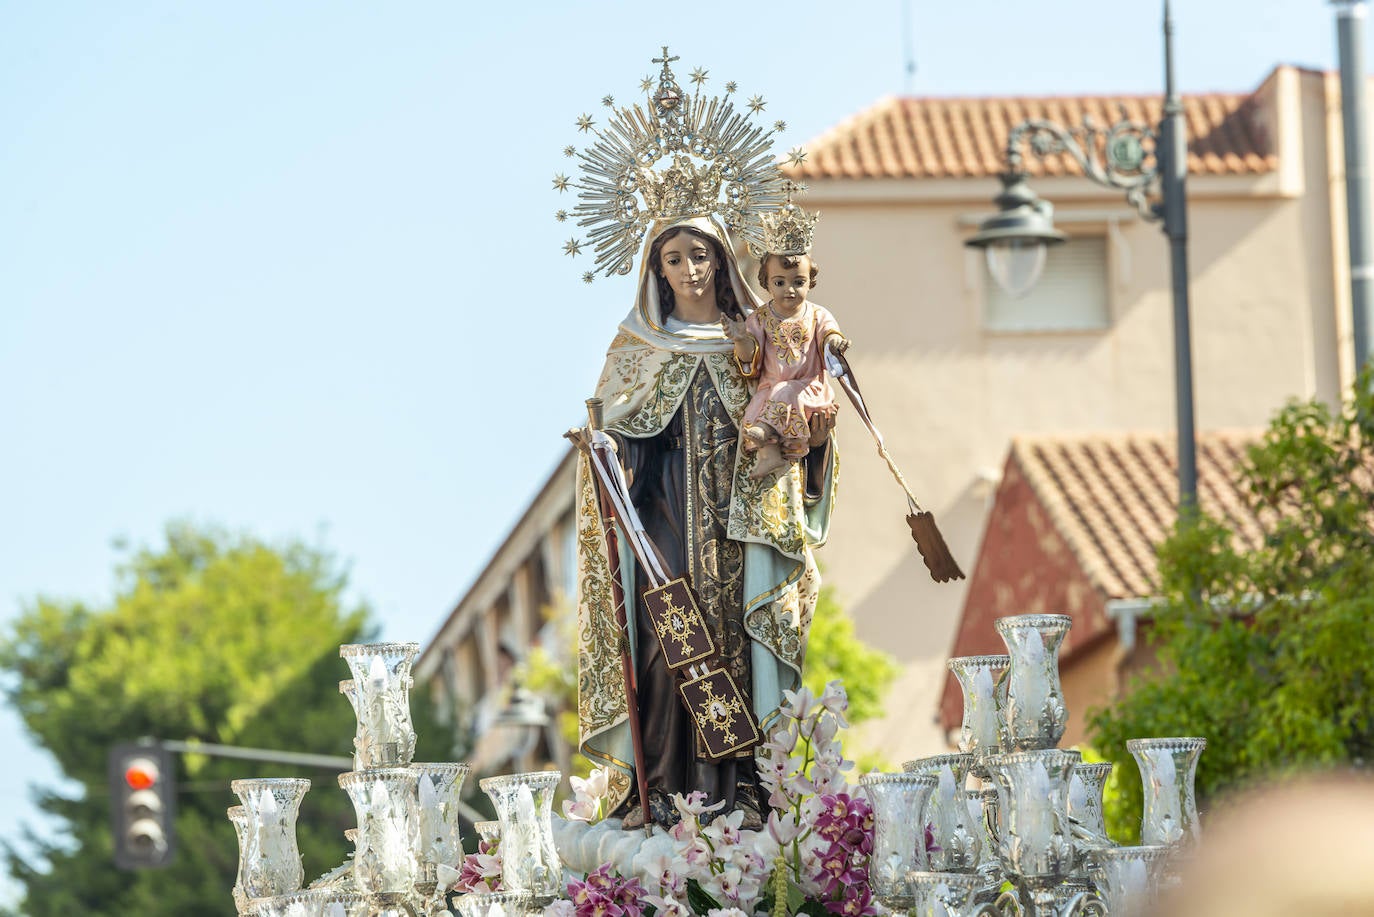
1016	264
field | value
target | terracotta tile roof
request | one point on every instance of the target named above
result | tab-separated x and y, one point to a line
966	137
1113	498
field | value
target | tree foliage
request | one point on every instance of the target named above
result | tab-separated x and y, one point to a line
1265	651
213	637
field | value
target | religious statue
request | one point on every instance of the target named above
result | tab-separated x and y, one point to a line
667	495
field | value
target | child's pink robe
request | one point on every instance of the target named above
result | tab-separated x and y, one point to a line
791	372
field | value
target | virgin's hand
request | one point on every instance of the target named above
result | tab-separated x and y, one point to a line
838	345
581	437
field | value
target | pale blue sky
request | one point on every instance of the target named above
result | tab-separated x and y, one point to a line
291	267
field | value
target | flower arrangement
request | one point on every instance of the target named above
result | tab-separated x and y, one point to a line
812	857
480	871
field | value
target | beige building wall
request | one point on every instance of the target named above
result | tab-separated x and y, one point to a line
949	395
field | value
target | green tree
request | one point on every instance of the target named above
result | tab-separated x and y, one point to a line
213	637
1265	651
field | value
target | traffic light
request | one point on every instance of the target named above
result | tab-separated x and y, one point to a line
142	805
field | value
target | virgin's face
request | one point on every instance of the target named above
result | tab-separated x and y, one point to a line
689	265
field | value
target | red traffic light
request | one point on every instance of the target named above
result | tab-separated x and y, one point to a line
141	774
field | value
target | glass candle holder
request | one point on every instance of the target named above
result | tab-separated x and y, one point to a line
489	832
1032	802
1086	785
1128	877
494	904
524	805
977	676
1168	770
439	789
381	683
272	862
239	819
940	894
1033	715
384	801
314	903
947	812
899	820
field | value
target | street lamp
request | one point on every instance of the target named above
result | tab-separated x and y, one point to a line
1016	236
1130	157
524	716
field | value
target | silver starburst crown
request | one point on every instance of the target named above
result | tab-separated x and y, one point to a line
787	231
676	156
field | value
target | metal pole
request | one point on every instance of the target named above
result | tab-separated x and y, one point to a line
1173	162
1350	17
272	756
297	758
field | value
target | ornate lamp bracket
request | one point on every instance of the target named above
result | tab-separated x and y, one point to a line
1123	156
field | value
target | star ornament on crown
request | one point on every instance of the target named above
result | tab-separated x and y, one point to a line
673	157
786	231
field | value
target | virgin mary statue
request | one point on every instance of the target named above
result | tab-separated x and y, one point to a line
673	398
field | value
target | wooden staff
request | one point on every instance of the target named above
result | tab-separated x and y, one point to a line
627	666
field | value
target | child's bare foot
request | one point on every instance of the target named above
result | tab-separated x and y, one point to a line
770	459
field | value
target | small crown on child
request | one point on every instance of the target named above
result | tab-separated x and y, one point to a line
788	230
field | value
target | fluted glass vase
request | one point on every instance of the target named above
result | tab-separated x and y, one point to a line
524	806
271	864
977	675
1127	878
958	837
1033	716
899	820
1168	770
1032	800
384	800
439	788
940	894
381	702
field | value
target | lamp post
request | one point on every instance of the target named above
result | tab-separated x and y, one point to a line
1350	20
1119	156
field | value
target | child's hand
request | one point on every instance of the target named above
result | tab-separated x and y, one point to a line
734	329
838	344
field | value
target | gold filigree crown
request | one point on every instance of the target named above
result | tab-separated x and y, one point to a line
786	231
680	191
718	163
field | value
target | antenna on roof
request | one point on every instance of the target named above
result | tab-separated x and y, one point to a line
908	50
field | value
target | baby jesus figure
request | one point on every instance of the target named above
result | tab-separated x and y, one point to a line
780	345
